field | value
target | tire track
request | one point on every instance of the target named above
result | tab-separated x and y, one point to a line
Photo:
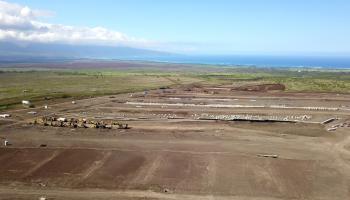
95	166
42	163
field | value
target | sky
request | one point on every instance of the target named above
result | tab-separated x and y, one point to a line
185	26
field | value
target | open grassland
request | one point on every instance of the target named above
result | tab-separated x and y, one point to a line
39	84
295	81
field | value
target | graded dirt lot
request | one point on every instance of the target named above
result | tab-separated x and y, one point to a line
183	143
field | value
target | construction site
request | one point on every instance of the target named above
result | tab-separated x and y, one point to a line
184	142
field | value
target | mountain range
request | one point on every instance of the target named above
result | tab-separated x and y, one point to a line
12	51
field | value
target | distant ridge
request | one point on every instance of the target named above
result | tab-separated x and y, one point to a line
11	51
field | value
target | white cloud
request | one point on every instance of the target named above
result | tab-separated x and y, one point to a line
21	23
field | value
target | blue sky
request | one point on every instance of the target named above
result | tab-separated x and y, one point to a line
215	26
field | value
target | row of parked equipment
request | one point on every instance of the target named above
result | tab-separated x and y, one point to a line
79	123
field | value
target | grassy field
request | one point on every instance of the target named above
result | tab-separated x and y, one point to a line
332	81
40	84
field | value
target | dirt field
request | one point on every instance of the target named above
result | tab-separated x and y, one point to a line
183	143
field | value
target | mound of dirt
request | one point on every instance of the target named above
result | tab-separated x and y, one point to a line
261	87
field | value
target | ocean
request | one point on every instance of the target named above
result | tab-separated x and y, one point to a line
328	62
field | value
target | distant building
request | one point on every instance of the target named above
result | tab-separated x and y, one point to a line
5	115
25	102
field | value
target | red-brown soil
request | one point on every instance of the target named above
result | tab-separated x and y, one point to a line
261	87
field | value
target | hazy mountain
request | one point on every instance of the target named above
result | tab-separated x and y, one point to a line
18	51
